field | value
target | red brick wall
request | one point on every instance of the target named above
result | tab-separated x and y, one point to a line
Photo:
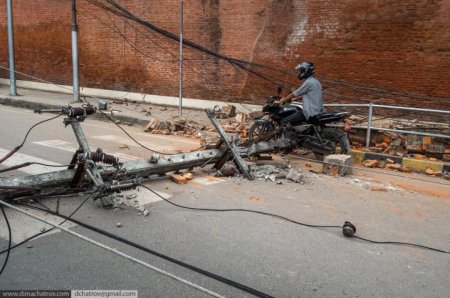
388	44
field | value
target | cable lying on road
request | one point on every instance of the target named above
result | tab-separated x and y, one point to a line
27	164
113	250
348	228
155	253
9	240
46	231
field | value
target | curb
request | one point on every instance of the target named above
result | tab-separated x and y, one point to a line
19	103
414	164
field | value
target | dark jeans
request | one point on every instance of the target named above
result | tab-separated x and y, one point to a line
294	119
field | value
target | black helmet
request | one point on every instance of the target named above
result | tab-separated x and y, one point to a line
305	70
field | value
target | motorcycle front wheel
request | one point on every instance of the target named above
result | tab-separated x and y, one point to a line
259	129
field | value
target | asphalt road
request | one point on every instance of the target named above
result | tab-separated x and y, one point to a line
271	255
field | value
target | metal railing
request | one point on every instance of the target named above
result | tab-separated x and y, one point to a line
369	126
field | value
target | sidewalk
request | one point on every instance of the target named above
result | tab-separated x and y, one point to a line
127	112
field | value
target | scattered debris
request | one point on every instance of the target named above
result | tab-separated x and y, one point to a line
178	179
404	169
370	163
188	176
337	165
227	171
229	110
295	176
429	171
179	123
394	166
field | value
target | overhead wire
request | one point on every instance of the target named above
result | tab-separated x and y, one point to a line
103	113
120	11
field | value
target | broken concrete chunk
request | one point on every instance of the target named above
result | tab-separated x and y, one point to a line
295	176
229	110
337	165
119	225
271	178
146	212
179	123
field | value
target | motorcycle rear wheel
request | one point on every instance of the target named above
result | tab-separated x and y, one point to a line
339	138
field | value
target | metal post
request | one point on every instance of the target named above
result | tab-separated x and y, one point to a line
181	61
369	126
76	86
12	74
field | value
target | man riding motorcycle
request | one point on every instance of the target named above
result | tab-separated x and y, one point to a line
311	90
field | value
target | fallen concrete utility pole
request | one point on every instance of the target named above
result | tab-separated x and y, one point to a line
108	175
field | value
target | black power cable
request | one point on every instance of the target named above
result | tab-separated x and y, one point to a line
46	231
142	145
295	222
27	164
219	278
9	240
241	210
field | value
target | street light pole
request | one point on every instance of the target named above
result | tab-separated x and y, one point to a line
181	61
76	86
12	74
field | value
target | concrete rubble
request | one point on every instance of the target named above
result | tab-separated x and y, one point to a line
337	165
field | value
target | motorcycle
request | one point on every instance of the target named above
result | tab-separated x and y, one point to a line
312	135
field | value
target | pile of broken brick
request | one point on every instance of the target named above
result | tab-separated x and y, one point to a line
237	123
385	142
262	170
412	146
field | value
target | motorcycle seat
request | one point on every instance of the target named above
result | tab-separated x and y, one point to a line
328	117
